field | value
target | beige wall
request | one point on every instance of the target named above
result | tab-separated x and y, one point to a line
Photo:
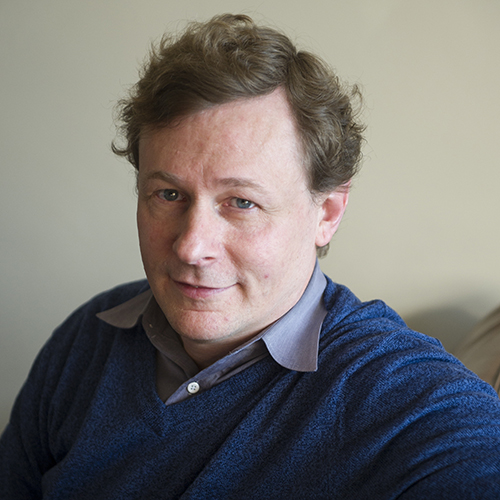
421	231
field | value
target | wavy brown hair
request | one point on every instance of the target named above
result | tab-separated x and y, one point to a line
230	57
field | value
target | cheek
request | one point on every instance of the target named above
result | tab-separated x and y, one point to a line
291	249
261	253
152	238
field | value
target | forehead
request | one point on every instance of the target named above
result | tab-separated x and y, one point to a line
242	134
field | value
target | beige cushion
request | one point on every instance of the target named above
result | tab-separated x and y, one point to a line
480	351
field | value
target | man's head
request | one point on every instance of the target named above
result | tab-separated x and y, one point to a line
230	58
244	148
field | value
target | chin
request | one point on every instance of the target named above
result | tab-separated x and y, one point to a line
201	327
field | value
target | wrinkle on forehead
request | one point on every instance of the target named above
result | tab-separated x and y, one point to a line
257	130
244	133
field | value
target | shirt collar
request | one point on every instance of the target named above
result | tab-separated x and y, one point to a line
292	340
127	314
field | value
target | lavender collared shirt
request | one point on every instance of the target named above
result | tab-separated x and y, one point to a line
292	341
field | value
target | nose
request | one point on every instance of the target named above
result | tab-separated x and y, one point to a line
198	241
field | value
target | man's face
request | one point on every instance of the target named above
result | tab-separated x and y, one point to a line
227	226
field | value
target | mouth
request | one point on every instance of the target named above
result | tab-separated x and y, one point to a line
184	283
193	291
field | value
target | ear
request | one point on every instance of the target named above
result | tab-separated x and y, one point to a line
332	208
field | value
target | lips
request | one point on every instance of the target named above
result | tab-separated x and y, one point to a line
193	291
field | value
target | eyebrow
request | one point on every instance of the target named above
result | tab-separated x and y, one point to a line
241	182
163	176
227	181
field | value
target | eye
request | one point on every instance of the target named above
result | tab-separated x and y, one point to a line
170	195
242	203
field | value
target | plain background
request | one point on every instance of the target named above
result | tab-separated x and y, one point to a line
421	230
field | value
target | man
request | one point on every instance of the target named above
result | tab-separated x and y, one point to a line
239	370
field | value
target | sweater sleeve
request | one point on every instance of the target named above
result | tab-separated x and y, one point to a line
50	408
24	453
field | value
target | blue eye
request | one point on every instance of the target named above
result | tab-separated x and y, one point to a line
241	203
169	194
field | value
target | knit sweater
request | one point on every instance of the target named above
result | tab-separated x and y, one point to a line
388	414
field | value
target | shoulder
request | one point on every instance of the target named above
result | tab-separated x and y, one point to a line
65	377
85	315
83	338
375	321
113	297
369	345
76	355
388	383
344	308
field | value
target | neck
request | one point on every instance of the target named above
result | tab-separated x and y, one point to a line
206	352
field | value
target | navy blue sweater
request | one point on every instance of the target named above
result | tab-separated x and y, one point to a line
389	414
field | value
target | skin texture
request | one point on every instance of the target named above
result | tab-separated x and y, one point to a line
227	226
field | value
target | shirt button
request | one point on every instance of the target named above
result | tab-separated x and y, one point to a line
193	387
